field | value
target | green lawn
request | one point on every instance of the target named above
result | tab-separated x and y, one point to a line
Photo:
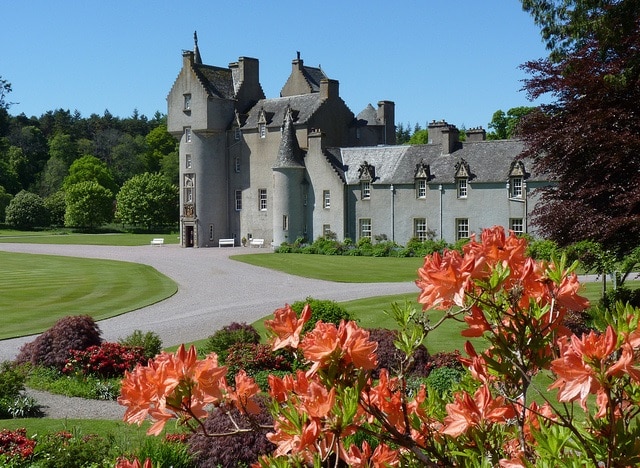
68	237
342	269
37	290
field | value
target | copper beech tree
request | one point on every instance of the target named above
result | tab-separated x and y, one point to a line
535	396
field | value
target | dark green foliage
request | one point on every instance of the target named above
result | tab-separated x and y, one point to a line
56	207
51	348
321	310
621	294
27	211
443	379
223	339
13	404
150	342
241	449
394	360
89	205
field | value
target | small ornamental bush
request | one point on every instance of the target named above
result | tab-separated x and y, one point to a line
66	450
15	446
223	339
443	379
51	348
150	342
438	360
172	451
321	310
105	360
240	449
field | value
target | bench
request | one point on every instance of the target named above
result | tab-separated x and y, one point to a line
231	242
256	242
157	241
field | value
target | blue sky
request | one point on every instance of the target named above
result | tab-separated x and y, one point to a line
455	60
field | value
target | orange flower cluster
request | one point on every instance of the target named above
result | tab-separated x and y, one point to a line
172	384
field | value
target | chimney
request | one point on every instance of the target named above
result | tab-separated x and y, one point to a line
329	89
187	58
476	134
387	116
444	134
297	63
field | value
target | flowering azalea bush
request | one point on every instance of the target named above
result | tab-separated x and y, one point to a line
15	445
104	360
537	395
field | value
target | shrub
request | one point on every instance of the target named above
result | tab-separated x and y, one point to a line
173	451
392	359
51	348
443	379
321	310
66	450
15	446
256	357
150	342
27	211
237	450
12	380
227	336
542	249
439	360
104	360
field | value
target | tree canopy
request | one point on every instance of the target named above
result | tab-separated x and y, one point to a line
147	200
588	138
88	204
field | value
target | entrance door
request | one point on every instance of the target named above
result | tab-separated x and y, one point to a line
188	236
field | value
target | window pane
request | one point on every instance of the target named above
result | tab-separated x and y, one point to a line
462	229
516	187
516	225
326	196
238	200
262	195
421	188
365	227
420	228
462	188
366	189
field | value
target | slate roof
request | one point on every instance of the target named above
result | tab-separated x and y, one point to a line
303	107
289	153
217	81
368	115
489	161
313	75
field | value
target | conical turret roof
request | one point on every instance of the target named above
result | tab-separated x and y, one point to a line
289	153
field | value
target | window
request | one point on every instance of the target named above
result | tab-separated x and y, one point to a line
187	134
263	130
285	223
462	228
326	230
421	188
188	188
365	228
326	199
420	228
516	225
187	161
236	164
515	187
210	232
262	199
462	188
365	187
238	200
187	102
237	134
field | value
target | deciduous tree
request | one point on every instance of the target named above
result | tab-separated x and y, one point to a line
148	200
588	138
89	205
90	169
26	211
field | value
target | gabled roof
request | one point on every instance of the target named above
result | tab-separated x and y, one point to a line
217	81
303	107
488	161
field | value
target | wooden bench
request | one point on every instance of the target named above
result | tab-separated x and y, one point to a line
157	241
256	242
231	242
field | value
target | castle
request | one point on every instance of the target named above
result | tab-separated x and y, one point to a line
302	165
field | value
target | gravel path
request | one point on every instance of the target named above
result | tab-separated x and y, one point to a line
213	291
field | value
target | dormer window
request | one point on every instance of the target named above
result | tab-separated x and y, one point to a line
462	175
237	134
516	184
262	128
421	175
187	102
262	124
367	174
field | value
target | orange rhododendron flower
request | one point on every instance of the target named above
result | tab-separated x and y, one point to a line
356	345
443	280
124	463
580	364
567	294
171	384
321	345
467	412
286	326
477	322
242	396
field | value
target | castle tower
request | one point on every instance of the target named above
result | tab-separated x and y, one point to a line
288	186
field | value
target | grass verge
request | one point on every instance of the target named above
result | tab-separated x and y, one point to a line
75	238
37	290
337	268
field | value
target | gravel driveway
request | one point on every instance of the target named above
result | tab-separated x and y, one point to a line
213	291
